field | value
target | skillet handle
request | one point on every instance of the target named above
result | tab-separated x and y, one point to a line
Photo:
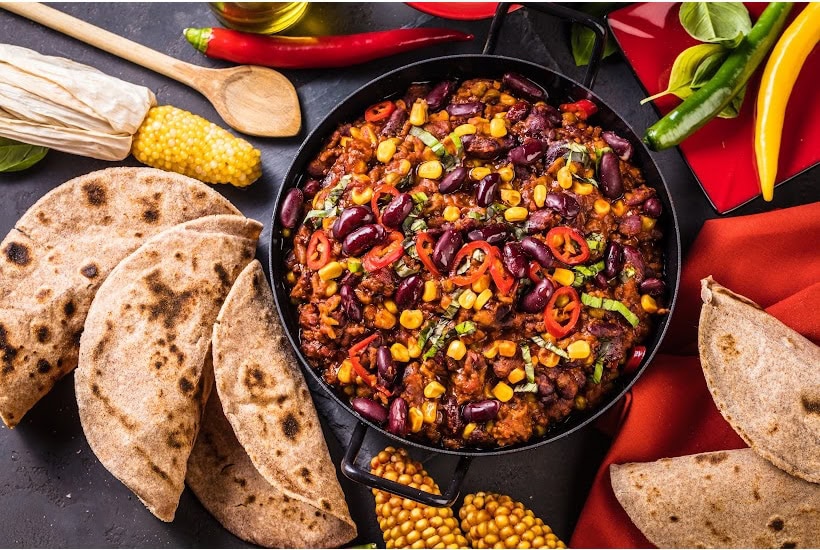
357	474
550	8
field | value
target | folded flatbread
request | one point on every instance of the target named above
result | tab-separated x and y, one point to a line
60	252
725	499
139	384
266	400
224	479
764	378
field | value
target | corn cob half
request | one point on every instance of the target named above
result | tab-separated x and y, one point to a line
176	140
406	523
490	520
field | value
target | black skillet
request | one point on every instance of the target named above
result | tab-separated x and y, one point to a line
486	65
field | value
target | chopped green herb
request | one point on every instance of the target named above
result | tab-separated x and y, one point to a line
627	273
419	198
610	305
425	334
403	270
549	346
577	153
596	242
599	370
529	387
319	214
418	225
457	142
454	306
429	140
465	328
437	339
528	366
475	215
582	273
354	265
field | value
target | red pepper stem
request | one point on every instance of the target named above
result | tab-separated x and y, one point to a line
198	38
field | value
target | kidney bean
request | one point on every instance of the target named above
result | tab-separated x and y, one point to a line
555	150
480	411
524	86
363	239
562	203
619	145
612	186
409	291
518	111
538	251
452	182
527	153
446	248
351	219
494	233
630	225
535	124
350	303
291	208
466	140
506	143
398	209
369	409
472	108
439	94
536	300
653	207
311	187
487	189
541	220
397	418
386	367
513	259
605	329
633	257
613	260
394	123
653	286
483	148
550	113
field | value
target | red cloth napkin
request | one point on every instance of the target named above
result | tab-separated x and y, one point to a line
771	258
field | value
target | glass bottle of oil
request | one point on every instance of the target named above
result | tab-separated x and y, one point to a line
259	17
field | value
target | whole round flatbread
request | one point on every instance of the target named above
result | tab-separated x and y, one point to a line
60	252
267	401
764	378
226	482
139	384
725	499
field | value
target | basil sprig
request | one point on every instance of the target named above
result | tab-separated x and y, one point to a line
16	156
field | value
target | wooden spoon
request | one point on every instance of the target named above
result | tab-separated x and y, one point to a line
254	100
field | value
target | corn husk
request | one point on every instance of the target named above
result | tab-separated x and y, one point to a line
67	106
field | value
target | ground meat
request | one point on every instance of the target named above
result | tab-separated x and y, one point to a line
512	423
503	366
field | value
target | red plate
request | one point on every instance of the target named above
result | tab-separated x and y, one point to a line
721	154
463	11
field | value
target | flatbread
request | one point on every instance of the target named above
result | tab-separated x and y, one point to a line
764	378
60	252
267	401
725	499
224	479
139	384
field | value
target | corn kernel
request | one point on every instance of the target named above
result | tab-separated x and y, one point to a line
345	373
539	195
456	349
345	141
565	177
430	291
291	277
327	223
647	224
516	375
452	213
286	232
362	195
649	304
578	349
516	214
479	172
498	127
601	207
580	188
433	390
431	169
391	306
392	178
491	351
507	348
384	319
511	197
176	140
416	419
464	129
331	288
331	270
502	392
468	430
385	151
467	299
429	410
619	208
418	113
481	284
482	299
507	173
580	402
413	349
411	318
564	277
400	353
507	99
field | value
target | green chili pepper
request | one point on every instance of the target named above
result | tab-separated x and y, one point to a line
708	101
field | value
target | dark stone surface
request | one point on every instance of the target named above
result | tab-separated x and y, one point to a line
54	492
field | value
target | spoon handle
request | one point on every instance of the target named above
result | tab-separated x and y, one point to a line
105	40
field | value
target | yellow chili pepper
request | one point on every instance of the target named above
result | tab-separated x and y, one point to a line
779	76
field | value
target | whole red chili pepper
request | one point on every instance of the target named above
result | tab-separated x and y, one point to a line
305	52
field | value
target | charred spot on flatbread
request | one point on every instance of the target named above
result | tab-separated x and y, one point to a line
168	305
42	334
9	351
810	404
94	194
304	473
712	458
728	346
69	308
224	278
18	254
290	426
43	366
150	215
185	385
90	271
776	524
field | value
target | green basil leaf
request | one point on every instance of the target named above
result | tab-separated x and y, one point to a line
16	156
582	40
708	68
684	69
716	22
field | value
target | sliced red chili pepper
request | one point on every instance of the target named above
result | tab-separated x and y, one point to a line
466	252
535	273
568	245
584	108
384	254
361	345
318	251
425	254
379	111
637	355
503	279
377	193
353	355
561	319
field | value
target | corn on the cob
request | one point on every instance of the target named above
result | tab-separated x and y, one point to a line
405	523
179	141
490	520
